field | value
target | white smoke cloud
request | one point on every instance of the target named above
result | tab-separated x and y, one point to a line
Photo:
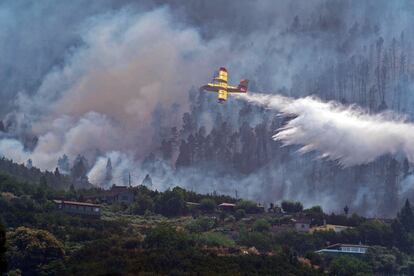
103	98
343	133
123	167
128	64
14	150
87	135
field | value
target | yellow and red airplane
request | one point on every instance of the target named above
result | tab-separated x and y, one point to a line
221	86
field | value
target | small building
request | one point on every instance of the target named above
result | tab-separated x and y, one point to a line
80	208
338	248
282	228
330	227
190	204
260	208
274	209
302	225
227	206
119	194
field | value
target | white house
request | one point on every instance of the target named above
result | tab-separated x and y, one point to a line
339	248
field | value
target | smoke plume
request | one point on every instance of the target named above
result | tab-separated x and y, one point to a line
104	96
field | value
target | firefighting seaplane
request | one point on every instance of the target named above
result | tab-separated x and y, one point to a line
220	86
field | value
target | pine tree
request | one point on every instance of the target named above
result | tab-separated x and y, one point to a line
80	168
29	164
390	202
108	174
184	158
346	210
63	164
406	167
57	172
147	181
406	216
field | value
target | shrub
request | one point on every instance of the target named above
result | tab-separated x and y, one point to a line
259	240
170	203
163	236
239	214
3	264
142	204
315	258
201	225
349	266
230	218
249	207
261	225
207	205
292	207
30	249
216	239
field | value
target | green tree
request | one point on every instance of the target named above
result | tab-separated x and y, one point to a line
164	236
249	207
80	168
207	205
216	239
261	225
32	249
406	216
142	204
147	181
344	266
384	260
376	232
3	263
346	210
292	207
170	203
315	258
261	241
239	214
41	190
316	214
201	224
72	194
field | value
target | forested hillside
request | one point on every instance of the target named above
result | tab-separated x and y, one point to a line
236	140
107	118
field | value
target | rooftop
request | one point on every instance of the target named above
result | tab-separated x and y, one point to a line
76	203
333	227
340	248
227	204
115	187
116	190
337	245
302	220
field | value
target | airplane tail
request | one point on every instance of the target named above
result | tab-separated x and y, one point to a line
243	85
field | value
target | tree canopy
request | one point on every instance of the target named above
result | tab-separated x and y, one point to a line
30	249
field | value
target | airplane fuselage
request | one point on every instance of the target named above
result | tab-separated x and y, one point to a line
221	86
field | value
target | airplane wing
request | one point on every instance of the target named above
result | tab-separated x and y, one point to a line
210	87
